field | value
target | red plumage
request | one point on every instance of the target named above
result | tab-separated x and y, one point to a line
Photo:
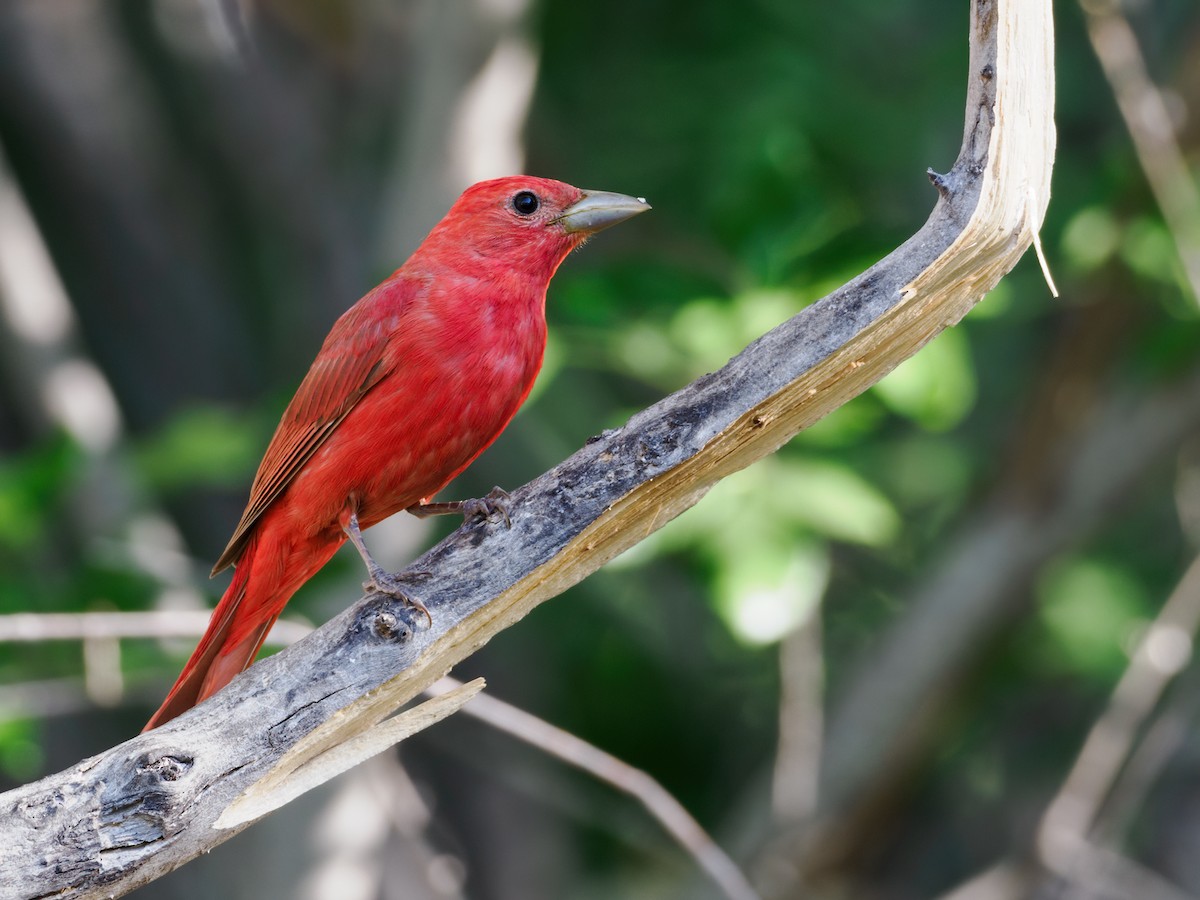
413	382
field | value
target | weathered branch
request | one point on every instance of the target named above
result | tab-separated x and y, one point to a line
659	803
121	819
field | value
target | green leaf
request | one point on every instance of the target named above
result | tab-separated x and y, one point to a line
29	488
201	446
936	387
1089	608
769	587
1090	238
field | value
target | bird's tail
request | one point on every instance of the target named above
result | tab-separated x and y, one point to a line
218	657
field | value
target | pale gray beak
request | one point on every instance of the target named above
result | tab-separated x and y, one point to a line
597	210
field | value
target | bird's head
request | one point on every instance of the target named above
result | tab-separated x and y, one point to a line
527	222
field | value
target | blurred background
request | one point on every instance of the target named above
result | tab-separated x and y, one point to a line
925	649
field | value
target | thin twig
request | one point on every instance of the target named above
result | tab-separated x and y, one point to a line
1163	651
177	623
1149	123
669	812
1162	738
1006	880
1098	873
801	722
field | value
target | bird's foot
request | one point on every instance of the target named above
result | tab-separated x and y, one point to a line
480	509
489	507
381	582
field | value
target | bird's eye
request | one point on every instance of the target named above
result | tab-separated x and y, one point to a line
526	203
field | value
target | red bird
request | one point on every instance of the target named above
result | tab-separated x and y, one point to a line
413	382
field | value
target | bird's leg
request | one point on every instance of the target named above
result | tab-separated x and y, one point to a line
484	509
380	581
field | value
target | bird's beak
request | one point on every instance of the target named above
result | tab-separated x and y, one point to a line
597	210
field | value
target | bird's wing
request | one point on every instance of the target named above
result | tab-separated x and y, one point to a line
351	362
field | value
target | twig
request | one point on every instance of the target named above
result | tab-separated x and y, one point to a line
229	28
669	812
1163	737
163	624
1163	651
1096	873
801	722
1006	880
1149	123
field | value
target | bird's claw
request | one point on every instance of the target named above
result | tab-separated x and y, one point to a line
485	509
382	582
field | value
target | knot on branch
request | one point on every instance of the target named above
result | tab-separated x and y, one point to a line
167	767
388	619
141	810
388	626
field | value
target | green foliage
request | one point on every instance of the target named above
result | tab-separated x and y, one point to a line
1090	238
935	388
1090	610
21	754
31	486
201	446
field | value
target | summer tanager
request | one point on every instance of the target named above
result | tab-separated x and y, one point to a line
412	383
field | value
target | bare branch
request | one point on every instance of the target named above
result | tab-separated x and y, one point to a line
120	819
